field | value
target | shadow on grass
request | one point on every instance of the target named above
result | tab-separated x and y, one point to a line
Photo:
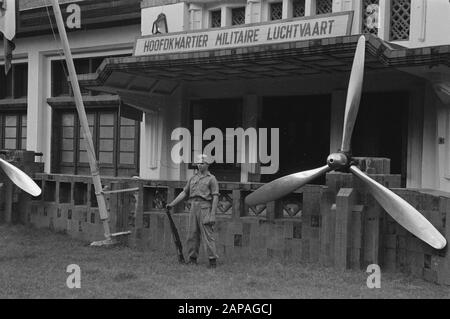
24	257
125	276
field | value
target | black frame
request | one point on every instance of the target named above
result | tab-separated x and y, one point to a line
230	170
18	114
15	84
57	163
60	85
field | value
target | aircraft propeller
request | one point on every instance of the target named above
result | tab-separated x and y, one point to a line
400	210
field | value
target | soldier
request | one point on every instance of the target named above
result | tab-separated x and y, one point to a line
202	190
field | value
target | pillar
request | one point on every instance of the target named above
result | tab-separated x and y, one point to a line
250	119
310	8
344	207
38	112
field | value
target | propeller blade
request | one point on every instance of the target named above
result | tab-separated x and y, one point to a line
19	178
353	94
283	186
402	211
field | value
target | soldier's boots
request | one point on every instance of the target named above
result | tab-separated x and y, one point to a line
212	263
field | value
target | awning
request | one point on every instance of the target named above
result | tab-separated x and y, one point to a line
127	107
155	75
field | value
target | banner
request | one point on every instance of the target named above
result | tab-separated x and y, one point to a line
298	29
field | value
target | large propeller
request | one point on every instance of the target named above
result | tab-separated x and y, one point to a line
398	208
19	178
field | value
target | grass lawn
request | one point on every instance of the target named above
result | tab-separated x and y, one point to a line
33	265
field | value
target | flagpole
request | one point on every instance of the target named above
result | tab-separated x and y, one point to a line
83	120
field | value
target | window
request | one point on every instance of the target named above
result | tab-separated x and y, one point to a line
128	146
324	6
13	123
238	16
400	19
60	84
216	19
116	141
276	11
15	84
298	8
370	16
13	131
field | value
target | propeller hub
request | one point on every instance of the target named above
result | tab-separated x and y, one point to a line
337	161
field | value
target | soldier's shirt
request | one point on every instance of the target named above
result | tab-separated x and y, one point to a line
201	185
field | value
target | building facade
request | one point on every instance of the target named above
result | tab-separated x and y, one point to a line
136	99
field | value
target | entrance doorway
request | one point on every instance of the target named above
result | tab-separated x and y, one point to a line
381	130
221	114
304	123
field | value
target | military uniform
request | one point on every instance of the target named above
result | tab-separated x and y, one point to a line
200	190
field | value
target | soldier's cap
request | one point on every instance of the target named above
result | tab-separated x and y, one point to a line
202	158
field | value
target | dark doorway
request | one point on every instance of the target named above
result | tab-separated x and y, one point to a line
222	114
304	123
381	129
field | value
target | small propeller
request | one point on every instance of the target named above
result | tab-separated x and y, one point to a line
19	178
398	208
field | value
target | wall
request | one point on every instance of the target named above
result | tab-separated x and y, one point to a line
335	85
436	151
40	51
338	225
429	24
429	19
257	11
177	17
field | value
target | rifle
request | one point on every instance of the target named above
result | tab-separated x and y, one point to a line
176	238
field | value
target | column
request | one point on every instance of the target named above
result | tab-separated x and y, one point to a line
384	19
253	13
429	150
195	17
415	138
250	120
225	17
38	112
344	208
151	141
287	9
310	8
